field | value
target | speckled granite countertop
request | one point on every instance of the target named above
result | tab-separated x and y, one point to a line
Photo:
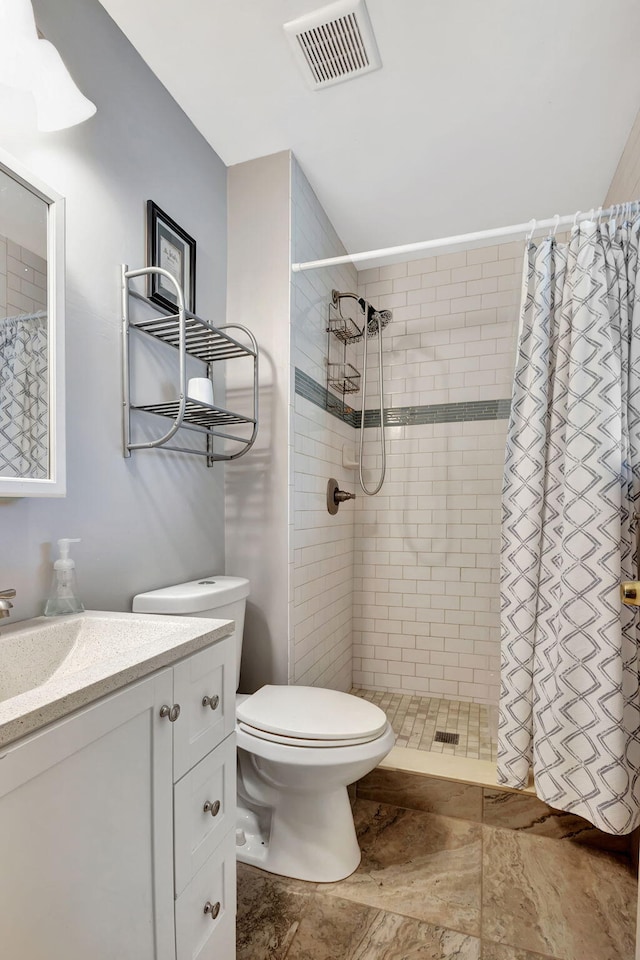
50	667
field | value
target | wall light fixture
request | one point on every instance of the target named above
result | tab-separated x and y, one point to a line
34	65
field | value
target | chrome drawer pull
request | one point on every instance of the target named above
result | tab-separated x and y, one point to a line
171	712
212	908
211	701
212	808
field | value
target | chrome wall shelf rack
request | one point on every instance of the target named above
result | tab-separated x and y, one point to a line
343	327
343	377
191	336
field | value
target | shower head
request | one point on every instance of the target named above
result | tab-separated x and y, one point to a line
376	319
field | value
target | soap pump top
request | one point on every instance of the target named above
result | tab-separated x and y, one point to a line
63	597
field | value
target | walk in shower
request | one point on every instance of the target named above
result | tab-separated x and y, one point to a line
409	577
397	596
426	576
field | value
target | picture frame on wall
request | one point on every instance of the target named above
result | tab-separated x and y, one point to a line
170	247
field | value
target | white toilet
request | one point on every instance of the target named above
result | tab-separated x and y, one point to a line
298	749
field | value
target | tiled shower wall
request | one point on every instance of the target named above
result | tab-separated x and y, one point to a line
321	558
23	280
426	600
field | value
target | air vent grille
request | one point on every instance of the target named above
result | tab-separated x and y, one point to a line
334	50
335	43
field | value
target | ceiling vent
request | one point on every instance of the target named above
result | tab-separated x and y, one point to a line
334	44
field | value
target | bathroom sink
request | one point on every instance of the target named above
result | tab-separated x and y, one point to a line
30	657
33	655
50	667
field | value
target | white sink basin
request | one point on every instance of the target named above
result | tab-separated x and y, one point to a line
50	667
28	660
52	649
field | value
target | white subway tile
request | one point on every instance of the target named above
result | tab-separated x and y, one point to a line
392	271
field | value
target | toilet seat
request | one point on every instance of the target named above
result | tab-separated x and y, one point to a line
310	717
290	741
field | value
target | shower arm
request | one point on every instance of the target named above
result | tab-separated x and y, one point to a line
337	296
365	490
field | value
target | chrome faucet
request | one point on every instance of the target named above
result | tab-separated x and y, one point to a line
5	602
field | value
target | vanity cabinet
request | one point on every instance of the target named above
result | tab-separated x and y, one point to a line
104	851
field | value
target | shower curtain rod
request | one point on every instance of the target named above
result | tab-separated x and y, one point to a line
569	219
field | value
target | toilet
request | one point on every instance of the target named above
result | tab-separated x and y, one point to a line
298	750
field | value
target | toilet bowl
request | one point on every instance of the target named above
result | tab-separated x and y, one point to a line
298	750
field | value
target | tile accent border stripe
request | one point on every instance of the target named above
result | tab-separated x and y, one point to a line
307	387
311	390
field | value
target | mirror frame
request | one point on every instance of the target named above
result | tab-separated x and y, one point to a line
55	484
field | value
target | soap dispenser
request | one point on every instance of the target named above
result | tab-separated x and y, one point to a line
63	597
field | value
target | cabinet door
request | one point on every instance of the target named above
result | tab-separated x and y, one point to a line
205	688
86	834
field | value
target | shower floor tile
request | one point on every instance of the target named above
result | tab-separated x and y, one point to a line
415	721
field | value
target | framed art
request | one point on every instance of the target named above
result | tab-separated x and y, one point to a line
170	247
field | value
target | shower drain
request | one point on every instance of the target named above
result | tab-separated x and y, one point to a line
443	737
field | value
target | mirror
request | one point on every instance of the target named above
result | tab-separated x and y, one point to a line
31	335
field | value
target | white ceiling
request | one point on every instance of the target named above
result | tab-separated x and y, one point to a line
483	114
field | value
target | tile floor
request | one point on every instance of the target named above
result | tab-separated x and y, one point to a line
448	871
415	721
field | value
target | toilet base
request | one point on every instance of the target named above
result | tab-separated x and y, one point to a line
303	836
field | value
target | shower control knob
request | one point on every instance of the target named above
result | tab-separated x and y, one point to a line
336	496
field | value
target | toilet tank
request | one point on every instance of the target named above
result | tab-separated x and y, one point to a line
221	598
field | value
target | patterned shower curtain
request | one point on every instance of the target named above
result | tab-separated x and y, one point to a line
570	705
24	409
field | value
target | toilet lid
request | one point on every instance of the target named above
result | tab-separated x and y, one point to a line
312	713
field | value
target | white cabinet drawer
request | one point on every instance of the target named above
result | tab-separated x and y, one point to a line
198	831
204	686
200	936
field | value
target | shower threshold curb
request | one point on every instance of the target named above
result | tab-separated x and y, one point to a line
447	767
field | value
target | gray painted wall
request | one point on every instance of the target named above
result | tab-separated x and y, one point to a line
157	518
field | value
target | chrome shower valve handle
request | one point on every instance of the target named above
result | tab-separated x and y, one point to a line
335	496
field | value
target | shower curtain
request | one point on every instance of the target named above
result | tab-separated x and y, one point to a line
24	409
569	703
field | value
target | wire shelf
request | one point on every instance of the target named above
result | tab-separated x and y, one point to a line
191	336
199	414
202	339
344	328
343	377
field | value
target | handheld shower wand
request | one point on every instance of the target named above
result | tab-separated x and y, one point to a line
376	321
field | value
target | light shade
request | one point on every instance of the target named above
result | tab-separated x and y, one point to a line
27	63
59	103
18	42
